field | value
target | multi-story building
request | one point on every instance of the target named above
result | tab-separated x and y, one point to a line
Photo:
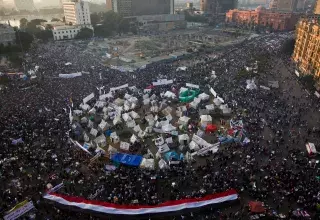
143	7
7	34
76	12
67	32
283	5
189	5
216	6
109	5
317	8
307	47
280	21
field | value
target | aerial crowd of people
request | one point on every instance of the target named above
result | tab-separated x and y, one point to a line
273	168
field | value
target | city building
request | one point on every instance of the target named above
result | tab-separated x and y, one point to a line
7	34
317	8
165	22
217	6
283	5
279	21
189	5
67	32
18	5
76	12
307	47
143	7
109	5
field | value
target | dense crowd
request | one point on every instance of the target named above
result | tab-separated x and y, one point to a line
272	168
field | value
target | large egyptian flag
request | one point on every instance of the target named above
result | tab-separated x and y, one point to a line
170	206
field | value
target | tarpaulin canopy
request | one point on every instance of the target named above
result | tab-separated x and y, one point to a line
211	128
127	159
171	155
188	95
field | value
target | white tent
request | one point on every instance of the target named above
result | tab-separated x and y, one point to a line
204	97
114	137
159	141
169	94
126	117
92	111
77	112
163	164
194	146
101	140
85	107
183	139
119	102
90	124
183	120
154	109
124	146
168	128
86	137
93	132
137	129
116	120
217	102
146	101
84	120
133	139
205	120
112	150
131	124
147	164
167	110
210	107
103	126
163	148
134	115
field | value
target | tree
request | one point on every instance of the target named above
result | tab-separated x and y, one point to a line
44	35
55	19
124	26
23	23
24	38
49	27
95	18
84	33
308	81
288	46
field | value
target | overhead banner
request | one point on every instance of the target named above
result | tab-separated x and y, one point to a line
162	82
88	98
213	92
19	211
71	75
116	209
119	87
192	85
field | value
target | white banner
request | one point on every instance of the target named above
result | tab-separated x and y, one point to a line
213	92
119	87
202	143
192	85
264	87
88	98
19	212
71	75
213	147
162	82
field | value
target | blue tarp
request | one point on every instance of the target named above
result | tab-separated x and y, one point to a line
171	155
127	159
